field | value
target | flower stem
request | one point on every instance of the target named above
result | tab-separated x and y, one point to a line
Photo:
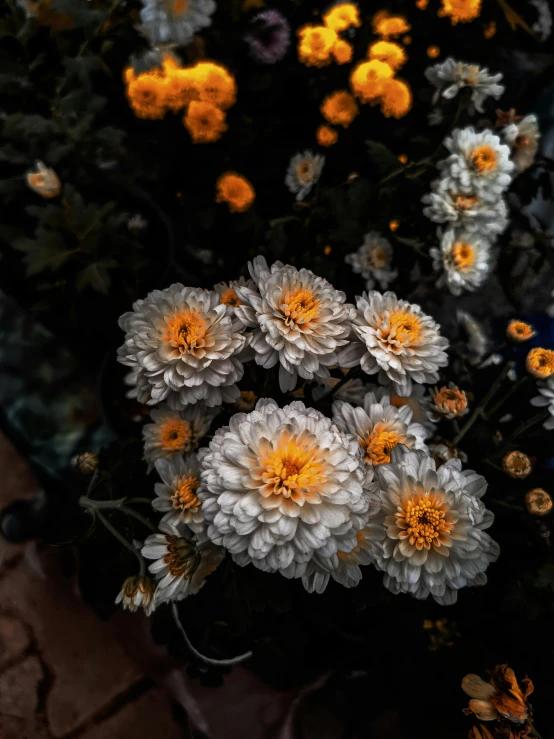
121	539
515	387
533	421
354	372
199	655
119	505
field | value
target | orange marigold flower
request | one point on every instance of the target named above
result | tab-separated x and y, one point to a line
518	331
315	45
422	4
538	502
501	697
389	25
326	136
44	181
205	122
367	78
396	98
540	363
448	402
179	89
394	225
389	52
339	108
215	84
342	52
517	465
460	11
236	191
433	52
342	16
403	158
146	96
489	30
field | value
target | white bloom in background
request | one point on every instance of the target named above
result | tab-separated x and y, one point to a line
373	261
448	203
181	562
450	76
137	223
428	535
283	488
396	340
466	259
177	493
228	295
137	592
175	432
182	347
523	139
353	391
546	398
478	163
543	25
379	426
175	21
303	172
300	321
417	402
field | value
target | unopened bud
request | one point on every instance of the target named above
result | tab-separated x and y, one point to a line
86	463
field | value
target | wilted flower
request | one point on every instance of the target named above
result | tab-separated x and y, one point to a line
428	535
303	172
546	398
182	347
388	52
519	331
246	402
86	463
174	433
460	11
538	502
480	732
205	122
373	260
367	79
389	25
466	259
540	363
517	465
448	403
269	36
450	76
326	136
523	138
44	181
396	340
396	98
137	592
282	488
175	21
502	697
315	45
236	191
342	17
339	108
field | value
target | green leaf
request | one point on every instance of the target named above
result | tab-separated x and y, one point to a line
41	255
110	136
381	157
96	275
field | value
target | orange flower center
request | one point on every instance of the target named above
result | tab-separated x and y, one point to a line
379	444
175	434
186	330
300	306
403	328
483	159
184	496
305	171
179	6
229	297
181	558
463	256
423	521
377	257
450	400
465	202
291	467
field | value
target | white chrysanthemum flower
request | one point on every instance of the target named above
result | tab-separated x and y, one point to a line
283	488
228	295
397	340
543	25
450	76
523	139
466	259
177	493
428	536
479	163
175	432
175	21
303	172
300	321
353	391
182	347
417	401
449	203
373	261
379	426
546	398
137	592
182	562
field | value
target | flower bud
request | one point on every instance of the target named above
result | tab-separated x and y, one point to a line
540	363
538	502
86	463
137	592
518	331
449	402
44	181
517	465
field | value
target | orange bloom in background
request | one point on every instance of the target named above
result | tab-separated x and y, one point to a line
519	331
538	502
460	11
179	89
146	96
342	16
342	52
433	52
501	698
389	25
540	363
422	4
394	225
215	84
339	108
315	45
517	465
396	99
388	52
44	181
205	122
236	191
490	30
367	79
326	136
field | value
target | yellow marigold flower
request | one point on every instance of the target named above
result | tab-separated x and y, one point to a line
517	465
396	98
518	331
315	45
433	52
540	363
326	136
339	108
205	122
367	78
460	11
342	16
342	52
236	191
538	502
179	89
215	84
389	52
389	25
44	181
146	96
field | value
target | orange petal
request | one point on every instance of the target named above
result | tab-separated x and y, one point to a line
484	710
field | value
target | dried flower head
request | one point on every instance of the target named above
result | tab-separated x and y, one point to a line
540	363
519	331
389	26
367	79
517	465
448	402
396	98
236	191
502	697
268	37
315	45
538	502
388	52
342	16
137	592
339	108
86	463
246	402
205	122
460	11
44	181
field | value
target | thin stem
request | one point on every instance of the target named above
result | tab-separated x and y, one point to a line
122	540
146	501
199	655
90	503
144	521
534	732
515	387
533	421
119	505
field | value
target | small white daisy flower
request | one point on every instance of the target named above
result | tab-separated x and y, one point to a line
546	398
177	493
466	259
478	163
523	139
137	592
379	426
175	21
428	536
543	25
450	76
228	295
303	172
373	261
397	340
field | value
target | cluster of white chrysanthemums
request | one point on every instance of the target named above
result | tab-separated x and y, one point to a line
290	490
175	22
